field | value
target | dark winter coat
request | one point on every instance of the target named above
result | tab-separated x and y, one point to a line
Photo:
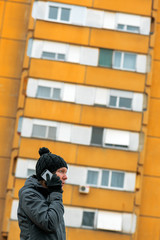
40	214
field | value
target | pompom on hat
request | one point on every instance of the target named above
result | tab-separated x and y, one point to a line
49	161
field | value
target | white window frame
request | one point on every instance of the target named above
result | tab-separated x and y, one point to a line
122	61
126	30
121	94
47	125
95	218
59	6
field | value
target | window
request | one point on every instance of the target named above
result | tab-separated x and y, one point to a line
59	13
126	61
53	56
52	132
120	102
43	92
128	28
97	134
88	219
92	177
117	179
105	178
56	93
39	131
48	132
48	92
105	57
30	172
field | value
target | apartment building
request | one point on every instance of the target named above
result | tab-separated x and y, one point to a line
83	80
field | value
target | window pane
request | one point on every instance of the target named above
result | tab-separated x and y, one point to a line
117	59
48	55
113	101
53	12
92	177
56	93
43	92
61	56
133	29
97	134
65	13
52	133
105	178
88	219
30	172
105	58
120	26
117	180
129	61
39	131
125	102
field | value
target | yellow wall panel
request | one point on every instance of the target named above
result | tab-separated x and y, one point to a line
15	20
112	118
4	168
107	158
148	228
9	96
85	234
150	197
1	15
106	77
2	203
14	231
11	56
58	111
75	2
106	200
152	166
142	7
154	118
62	33
157	47
119	41
6	133
53	70
155	90
29	149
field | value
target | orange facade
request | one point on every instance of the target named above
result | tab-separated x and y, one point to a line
18	25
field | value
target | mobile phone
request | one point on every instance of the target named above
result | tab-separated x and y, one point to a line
44	174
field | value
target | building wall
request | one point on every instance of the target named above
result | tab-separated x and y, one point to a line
14	17
138	160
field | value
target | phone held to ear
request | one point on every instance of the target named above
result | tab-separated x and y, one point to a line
44	174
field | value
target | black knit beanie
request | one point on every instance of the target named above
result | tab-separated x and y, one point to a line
48	161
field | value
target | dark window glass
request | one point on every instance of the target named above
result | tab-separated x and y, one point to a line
48	55
65	14
61	56
117	179
105	178
39	131
56	93
132	29
97	134
88	219
105	58
113	101
52	133
43	92
92	177
125	102
53	12
120	26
